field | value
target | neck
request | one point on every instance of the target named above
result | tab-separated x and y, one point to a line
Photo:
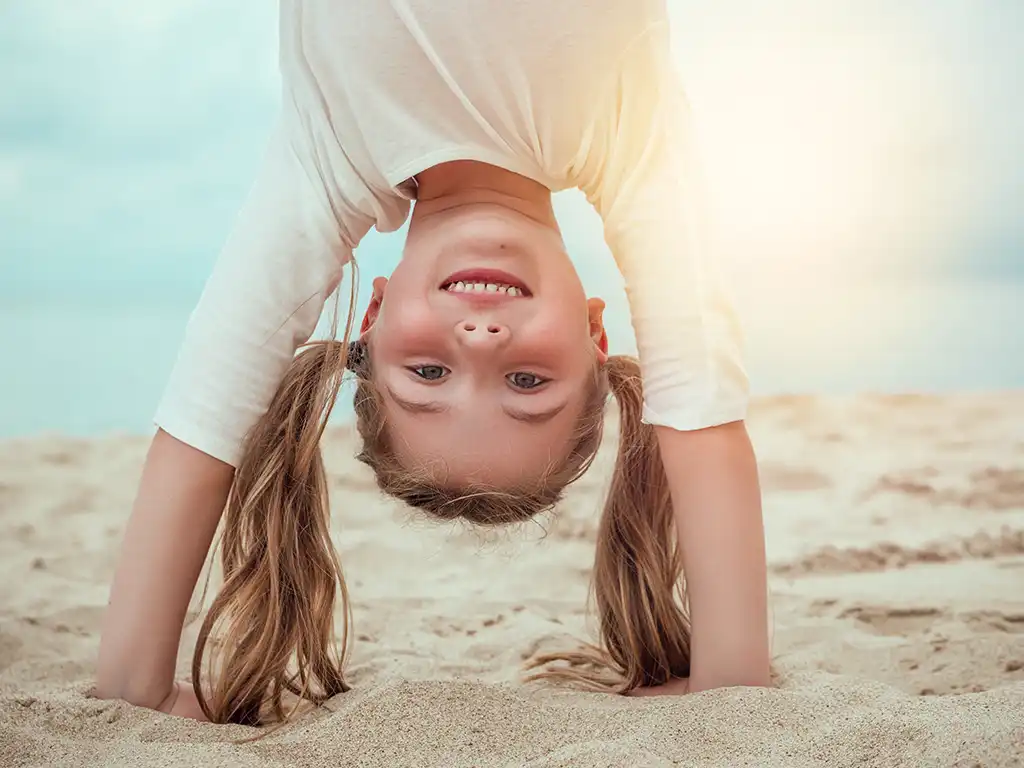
468	182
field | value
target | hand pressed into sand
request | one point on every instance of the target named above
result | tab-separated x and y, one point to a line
676	687
182	702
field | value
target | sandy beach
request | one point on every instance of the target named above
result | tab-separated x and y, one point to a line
895	532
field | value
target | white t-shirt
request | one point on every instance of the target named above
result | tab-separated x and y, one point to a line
570	93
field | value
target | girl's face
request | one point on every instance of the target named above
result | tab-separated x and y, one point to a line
483	386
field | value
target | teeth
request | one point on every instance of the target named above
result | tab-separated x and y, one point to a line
463	287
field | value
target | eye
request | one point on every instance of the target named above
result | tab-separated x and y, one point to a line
523	380
430	372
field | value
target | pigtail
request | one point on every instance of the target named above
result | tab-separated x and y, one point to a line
638	570
637	578
281	571
271	629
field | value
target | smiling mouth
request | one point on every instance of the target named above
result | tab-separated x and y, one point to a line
486	283
494	289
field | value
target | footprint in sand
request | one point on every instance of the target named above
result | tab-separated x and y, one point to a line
445	628
998	621
991	488
983	545
901	621
996	488
896	621
944	653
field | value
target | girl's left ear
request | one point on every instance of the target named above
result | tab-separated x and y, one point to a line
595	312
379	284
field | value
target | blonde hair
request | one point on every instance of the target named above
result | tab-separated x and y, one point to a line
275	613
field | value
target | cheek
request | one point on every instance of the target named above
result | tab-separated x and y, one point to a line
407	322
560	327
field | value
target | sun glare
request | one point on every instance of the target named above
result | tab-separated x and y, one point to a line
801	139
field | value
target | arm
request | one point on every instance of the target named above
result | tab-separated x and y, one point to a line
282	259
179	503
649	191
717	501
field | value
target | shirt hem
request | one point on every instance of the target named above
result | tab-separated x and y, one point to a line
691	421
193	435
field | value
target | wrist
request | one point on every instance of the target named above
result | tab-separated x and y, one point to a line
734	678
149	695
171	699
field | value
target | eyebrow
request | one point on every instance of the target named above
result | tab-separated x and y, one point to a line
534	418
435	406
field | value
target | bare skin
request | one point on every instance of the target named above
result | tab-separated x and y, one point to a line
182	702
179	503
717	500
716	496
679	686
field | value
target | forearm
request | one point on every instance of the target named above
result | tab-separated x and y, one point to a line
180	500
717	500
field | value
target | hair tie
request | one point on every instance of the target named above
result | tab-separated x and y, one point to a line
356	358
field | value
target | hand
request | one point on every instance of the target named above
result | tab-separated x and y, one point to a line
678	686
182	702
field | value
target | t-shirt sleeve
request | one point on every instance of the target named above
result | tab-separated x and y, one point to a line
646	184
282	259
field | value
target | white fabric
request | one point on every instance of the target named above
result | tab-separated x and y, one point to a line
570	93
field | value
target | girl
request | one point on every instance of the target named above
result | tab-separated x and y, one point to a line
482	368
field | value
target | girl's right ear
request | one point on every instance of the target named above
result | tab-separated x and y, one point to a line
379	285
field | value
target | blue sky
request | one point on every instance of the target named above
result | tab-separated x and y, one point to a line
848	131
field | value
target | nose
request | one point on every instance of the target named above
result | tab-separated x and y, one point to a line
482	336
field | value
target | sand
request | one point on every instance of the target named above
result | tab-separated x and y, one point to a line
896	548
